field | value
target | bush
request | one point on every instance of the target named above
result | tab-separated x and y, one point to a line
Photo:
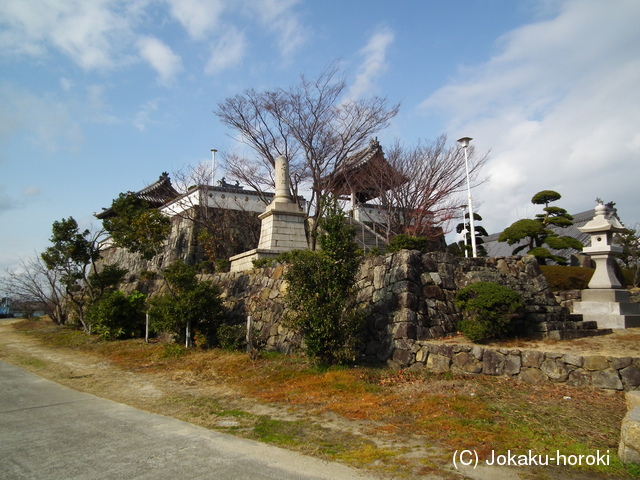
321	289
562	278
231	337
407	242
117	315
488	310
189	303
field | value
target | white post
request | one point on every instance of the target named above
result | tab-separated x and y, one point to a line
464	234
249	334
146	330
464	141
213	165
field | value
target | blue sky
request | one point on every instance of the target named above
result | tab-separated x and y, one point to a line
101	97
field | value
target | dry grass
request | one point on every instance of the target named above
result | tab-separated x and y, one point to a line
399	423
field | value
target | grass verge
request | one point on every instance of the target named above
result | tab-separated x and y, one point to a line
396	423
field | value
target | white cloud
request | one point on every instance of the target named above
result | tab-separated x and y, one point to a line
374	63
144	115
279	17
558	108
160	57
198	17
227	51
31	191
90	33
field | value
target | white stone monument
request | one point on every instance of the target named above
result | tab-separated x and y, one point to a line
605	301
282	228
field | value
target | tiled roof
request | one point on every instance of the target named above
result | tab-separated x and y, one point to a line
353	174
157	194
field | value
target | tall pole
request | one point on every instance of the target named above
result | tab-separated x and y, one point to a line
464	141
464	233
213	165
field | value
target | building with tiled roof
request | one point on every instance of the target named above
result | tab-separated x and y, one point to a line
156	195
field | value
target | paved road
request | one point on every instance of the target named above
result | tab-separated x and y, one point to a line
51	432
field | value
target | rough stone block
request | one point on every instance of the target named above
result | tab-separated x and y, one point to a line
403	357
532	358
579	378
555	369
493	363
422	355
477	351
404	330
618	363
596	362
632	400
631	377
467	363
629	449
532	375
607	379
512	364
438	364
573	359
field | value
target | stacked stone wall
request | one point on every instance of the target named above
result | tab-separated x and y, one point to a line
407	297
532	366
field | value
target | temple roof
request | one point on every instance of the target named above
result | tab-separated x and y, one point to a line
156	195
366	173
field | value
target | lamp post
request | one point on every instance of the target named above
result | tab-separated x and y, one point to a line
464	141
213	165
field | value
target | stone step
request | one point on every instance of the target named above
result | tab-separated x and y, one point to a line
573	334
570	325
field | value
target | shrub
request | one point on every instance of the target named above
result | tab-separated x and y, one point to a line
118	315
231	337
488	310
407	242
567	278
189	303
321	288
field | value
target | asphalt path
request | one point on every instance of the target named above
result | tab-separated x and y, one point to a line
51	432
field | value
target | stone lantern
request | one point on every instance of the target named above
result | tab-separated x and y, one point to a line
605	301
602	248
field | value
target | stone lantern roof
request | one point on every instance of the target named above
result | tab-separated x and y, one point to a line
600	223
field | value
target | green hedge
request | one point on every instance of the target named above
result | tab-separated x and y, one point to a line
567	278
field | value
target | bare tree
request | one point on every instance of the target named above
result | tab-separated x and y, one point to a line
427	182
34	283
309	123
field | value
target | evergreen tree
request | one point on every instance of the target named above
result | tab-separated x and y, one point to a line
537	232
321	289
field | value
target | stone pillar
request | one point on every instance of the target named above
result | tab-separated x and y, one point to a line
283	224
283	191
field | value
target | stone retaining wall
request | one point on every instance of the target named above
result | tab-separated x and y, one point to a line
407	297
533	366
409	301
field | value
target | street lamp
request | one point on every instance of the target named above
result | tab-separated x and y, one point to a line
464	141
